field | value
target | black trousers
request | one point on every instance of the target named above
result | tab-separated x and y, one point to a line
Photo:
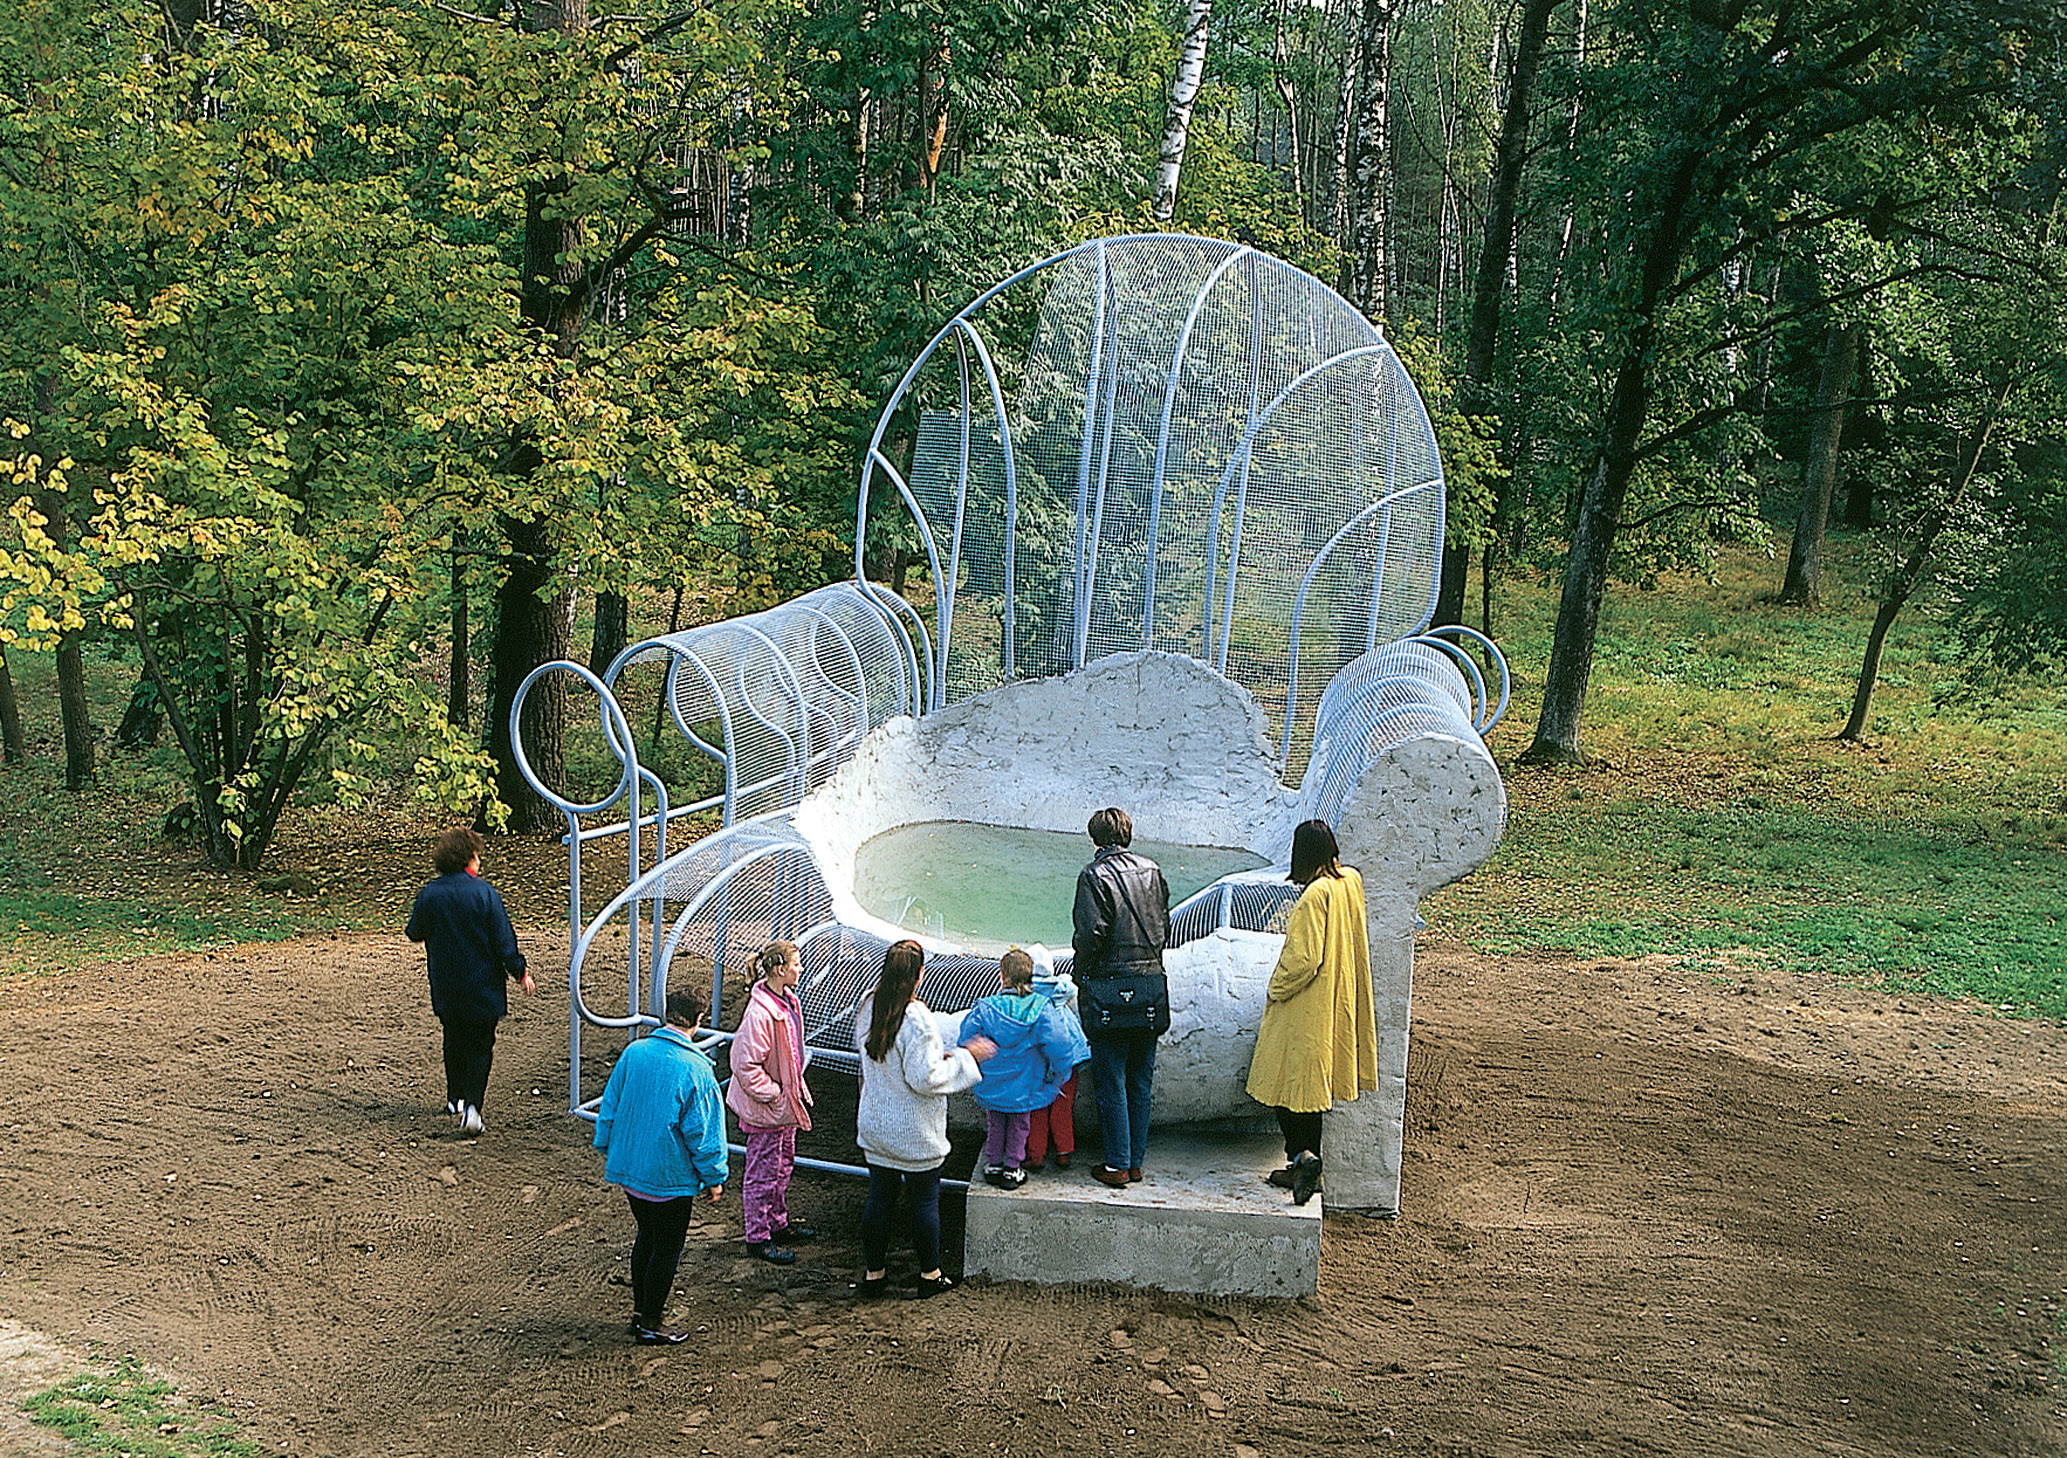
1301	1131
469	1050
663	1226
879	1211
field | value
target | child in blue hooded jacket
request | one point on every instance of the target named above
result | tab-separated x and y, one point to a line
1039	1044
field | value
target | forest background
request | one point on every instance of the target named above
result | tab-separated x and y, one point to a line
360	358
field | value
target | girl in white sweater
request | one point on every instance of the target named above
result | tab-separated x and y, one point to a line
906	1076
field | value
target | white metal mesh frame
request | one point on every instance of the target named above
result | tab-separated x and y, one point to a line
1394	693
780	698
1162	442
1156	442
777	700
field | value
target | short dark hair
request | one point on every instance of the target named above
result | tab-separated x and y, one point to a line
455	849
1314	852
1016	968
684	1007
1111	826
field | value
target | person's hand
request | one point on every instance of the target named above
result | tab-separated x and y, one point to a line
715	1193
981	1048
527	984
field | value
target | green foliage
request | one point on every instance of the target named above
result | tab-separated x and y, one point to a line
1472	472
119	1410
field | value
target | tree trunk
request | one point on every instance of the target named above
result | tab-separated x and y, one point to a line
1288	97
459	691
1496	247
611	633
531	629
1859	501
932	117
14	749
141	718
1918	562
72	707
530	622
1869	670
1804	582
853	202
1599	509
1765	343
1184	90
1370	173
1342	154
1563	252
739	191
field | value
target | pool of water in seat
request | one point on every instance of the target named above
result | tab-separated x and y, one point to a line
995	885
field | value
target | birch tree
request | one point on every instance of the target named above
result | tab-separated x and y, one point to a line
1370	179
1184	91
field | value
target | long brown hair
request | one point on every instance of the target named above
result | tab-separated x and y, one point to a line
1314	853
901	967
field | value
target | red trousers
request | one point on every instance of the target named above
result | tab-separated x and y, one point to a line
1060	1119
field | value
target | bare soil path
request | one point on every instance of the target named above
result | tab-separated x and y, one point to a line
1646	1212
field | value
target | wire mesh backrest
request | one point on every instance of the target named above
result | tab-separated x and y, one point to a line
1163	442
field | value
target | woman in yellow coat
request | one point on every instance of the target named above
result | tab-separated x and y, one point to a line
1319	1042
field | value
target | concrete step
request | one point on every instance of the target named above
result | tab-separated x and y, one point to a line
1202	1220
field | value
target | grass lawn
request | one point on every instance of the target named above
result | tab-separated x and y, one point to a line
1723	824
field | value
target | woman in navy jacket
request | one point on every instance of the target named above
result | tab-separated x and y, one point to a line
471	951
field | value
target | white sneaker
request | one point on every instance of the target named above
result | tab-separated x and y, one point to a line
452	1107
470	1120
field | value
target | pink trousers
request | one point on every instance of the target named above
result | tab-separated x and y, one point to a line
764	1181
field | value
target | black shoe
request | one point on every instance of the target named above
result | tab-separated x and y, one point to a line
934	1285
769	1251
795	1235
1283	1178
1306	1176
650	1336
868	1288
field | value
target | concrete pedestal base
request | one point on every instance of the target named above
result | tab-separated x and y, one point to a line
1201	1220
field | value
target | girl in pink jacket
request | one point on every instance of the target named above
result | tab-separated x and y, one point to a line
767	1092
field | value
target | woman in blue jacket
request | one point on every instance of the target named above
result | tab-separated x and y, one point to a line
661	1126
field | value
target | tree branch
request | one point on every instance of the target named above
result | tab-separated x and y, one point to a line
495	20
1672	508
666	27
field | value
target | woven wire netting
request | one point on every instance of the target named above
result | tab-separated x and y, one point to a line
781	698
1163	442
1385	697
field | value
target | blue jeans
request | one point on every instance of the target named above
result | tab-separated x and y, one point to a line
1123	1076
922	1189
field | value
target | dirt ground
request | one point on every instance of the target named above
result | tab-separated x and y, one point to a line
1645	1212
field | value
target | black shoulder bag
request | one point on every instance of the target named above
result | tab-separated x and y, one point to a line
1126	1002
